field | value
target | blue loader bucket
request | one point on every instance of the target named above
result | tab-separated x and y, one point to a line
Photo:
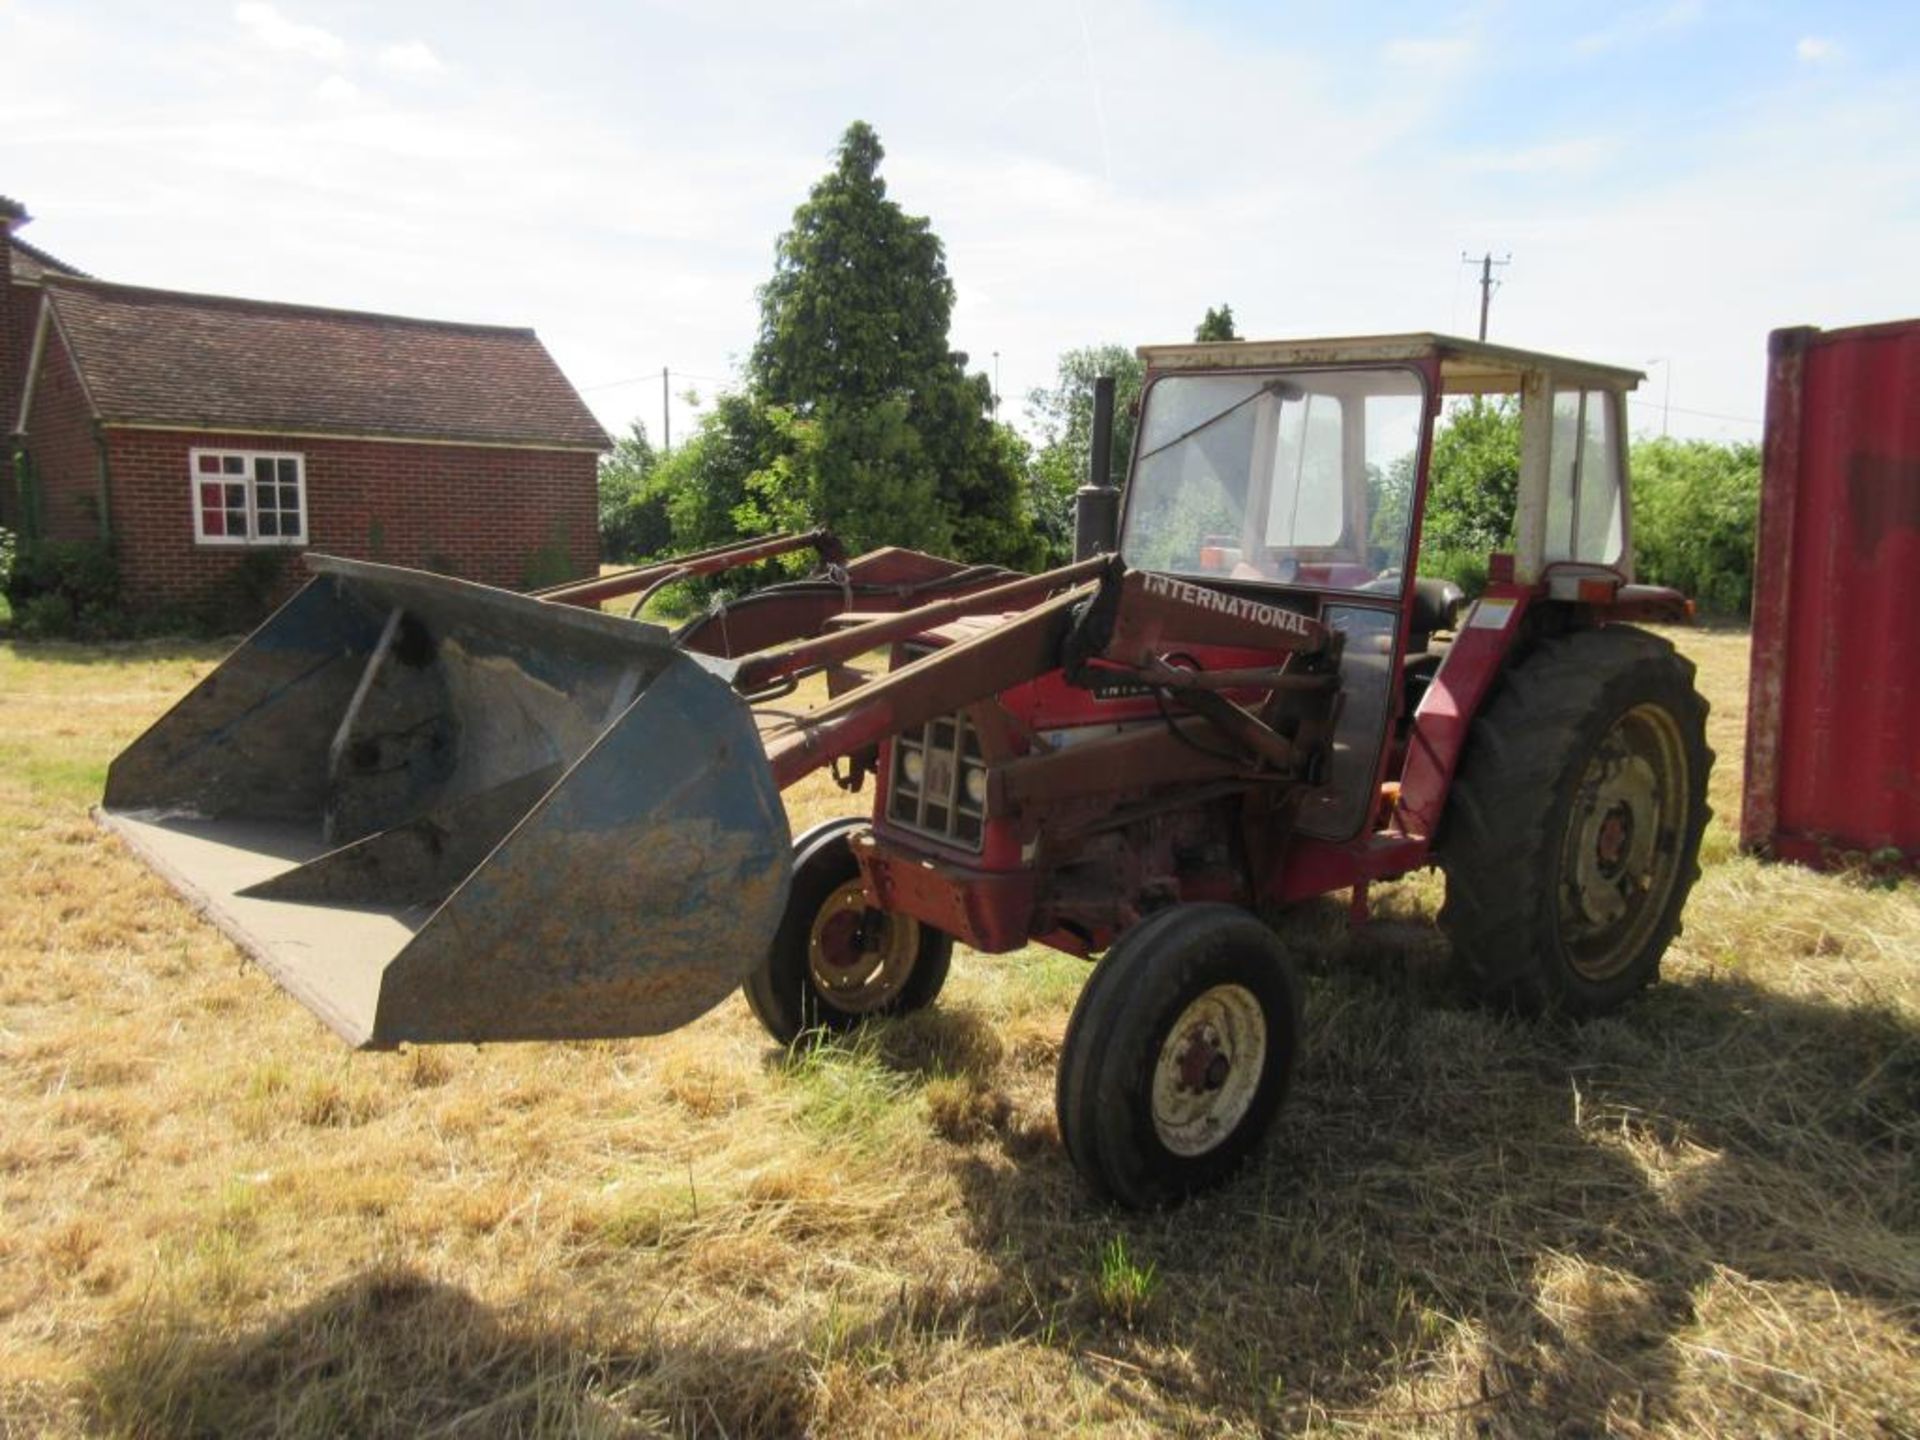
436	811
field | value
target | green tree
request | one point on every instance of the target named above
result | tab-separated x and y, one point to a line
860	301
1696	506
857	469
1218	324
633	519
704	485
1473	486
1064	414
854	339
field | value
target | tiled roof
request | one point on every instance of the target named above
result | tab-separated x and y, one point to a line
159	357
30	262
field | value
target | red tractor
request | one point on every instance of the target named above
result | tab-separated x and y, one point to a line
440	812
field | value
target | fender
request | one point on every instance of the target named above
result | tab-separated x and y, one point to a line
1445	718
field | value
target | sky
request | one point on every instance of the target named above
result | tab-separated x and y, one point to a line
1671	180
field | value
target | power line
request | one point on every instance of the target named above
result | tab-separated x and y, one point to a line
1716	415
639	379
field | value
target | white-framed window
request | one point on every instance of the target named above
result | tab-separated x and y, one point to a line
249	497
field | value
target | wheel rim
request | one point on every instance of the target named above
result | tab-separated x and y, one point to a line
859	957
1621	854
1209	1069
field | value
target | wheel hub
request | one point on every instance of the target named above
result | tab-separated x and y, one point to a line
1209	1069
843	938
1202	1063
860	957
1622	846
1620	818
1616	833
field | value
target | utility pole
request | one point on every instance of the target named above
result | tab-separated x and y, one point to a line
1486	263
666	413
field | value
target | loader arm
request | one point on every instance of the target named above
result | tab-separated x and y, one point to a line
642	581
1112	628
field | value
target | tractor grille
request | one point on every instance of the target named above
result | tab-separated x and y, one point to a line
934	769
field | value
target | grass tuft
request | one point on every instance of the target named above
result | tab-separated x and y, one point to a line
842	1089
1124	1286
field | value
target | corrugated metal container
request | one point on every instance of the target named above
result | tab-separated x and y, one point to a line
1833	716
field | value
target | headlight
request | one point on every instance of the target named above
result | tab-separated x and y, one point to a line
913	767
976	787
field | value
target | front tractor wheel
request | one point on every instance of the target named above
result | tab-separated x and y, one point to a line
1573	831
835	960
1178	1054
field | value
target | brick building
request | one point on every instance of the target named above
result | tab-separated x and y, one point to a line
208	439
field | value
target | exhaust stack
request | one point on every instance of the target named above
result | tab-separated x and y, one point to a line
1096	504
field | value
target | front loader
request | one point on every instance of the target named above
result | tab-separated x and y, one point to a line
440	812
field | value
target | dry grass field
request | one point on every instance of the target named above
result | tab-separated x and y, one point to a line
1699	1217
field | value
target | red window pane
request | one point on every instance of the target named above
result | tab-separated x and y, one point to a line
213	522
209	495
209	465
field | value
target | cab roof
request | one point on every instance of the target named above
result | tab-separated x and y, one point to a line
1467	367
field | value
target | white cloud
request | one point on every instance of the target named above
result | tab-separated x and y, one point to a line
270	28
1817	50
411	57
1555	157
1437	53
337	90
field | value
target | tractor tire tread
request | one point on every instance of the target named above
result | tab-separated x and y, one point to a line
777	990
1500	840
1095	1095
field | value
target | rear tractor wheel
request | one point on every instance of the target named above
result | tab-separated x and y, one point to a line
1178	1054
835	960
1573	830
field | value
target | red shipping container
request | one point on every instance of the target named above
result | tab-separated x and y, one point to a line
1833	712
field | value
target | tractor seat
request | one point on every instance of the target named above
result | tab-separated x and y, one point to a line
1437	605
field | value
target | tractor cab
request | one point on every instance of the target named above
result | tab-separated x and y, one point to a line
1302	467
1304	463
